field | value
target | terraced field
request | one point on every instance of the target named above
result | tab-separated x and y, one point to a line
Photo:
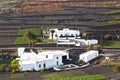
97	19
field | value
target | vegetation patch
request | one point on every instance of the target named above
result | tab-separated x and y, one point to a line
110	44
111	12
22	39
107	62
17	75
5	61
65	74
113	22
73	75
48	40
70	76
116	68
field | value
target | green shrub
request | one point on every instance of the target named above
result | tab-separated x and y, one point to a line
108	36
43	69
116	68
2	67
14	65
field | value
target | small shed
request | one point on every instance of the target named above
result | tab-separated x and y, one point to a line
88	56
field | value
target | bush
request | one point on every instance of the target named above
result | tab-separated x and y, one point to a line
108	36
14	65
3	67
116	68
107	62
43	69
95	47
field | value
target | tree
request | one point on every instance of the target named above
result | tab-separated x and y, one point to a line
14	65
28	34
33	38
52	31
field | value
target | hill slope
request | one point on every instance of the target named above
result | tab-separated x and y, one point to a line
19	6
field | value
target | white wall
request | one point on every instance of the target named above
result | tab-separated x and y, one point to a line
88	56
20	51
37	61
87	42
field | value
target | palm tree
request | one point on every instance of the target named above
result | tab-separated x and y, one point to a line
33	38
28	36
52	31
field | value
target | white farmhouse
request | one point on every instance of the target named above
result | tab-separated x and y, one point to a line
65	34
47	59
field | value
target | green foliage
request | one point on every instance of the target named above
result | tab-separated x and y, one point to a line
48	40
90	77
113	22
36	36
14	65
2	67
5	61
64	75
43	69
116	68
17	75
107	62
111	12
110	44
108	36
87	77
28	36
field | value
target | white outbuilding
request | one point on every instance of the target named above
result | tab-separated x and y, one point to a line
47	59
78	42
88	56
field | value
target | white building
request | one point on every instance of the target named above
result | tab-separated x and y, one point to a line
47	59
78	42
65	34
88	56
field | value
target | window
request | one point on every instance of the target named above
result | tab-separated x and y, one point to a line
57	62
39	65
44	65
56	35
56	57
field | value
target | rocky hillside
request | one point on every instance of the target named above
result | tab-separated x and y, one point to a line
19	6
